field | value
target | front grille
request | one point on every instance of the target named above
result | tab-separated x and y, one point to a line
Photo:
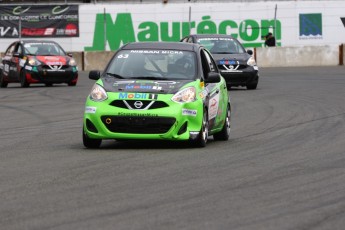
232	67
129	104
47	67
138	125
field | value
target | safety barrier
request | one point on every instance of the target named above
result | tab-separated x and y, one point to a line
265	57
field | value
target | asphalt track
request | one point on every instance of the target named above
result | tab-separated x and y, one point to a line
283	168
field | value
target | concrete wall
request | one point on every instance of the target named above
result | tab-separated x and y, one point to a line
97	60
297	56
265	57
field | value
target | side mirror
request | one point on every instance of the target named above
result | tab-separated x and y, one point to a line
212	77
70	54
94	75
250	52
18	55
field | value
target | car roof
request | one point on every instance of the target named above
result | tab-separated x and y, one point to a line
162	45
212	35
35	41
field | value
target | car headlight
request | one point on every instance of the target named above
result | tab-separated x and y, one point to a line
98	93
33	61
72	62
251	61
185	95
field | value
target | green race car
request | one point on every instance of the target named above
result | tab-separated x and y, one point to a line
158	91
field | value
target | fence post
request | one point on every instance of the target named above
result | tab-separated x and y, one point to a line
341	54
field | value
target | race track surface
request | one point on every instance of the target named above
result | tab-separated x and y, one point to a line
283	167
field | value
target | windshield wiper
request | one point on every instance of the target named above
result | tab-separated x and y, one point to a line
115	75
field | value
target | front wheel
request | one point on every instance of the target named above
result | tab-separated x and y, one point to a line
23	81
90	142
252	86
72	83
224	134
3	83
203	135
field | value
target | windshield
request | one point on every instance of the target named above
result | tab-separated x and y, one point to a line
153	64
221	45
43	49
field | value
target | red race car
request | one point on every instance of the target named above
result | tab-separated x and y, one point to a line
35	61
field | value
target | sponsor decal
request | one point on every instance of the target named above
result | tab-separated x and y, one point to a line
90	109
189	112
116	83
8	31
228	62
19	11
138	114
157	52
215	39
58	10
125	95
213	106
28	67
203	94
7	68
166	82
230	66
53	63
121	30
138	87
37	32
22	62
39	21
310	26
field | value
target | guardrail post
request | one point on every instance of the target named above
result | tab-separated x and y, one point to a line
341	54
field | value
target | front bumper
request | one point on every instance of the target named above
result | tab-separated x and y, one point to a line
243	77
44	75
169	121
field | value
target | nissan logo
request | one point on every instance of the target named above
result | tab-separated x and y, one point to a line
138	104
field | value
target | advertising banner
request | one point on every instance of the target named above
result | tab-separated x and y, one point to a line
39	21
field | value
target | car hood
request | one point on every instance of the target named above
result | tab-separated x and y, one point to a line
112	84
53	60
242	58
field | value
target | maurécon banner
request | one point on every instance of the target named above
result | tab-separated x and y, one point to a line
39	21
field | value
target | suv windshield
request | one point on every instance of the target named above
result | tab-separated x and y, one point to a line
153	64
221	45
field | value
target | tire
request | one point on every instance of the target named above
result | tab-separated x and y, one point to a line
201	141
23	81
224	134
252	86
3	83
90	142
72	83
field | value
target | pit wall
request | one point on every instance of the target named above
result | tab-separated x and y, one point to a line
299	56
265	57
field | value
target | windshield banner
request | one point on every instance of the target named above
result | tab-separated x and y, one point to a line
39	21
